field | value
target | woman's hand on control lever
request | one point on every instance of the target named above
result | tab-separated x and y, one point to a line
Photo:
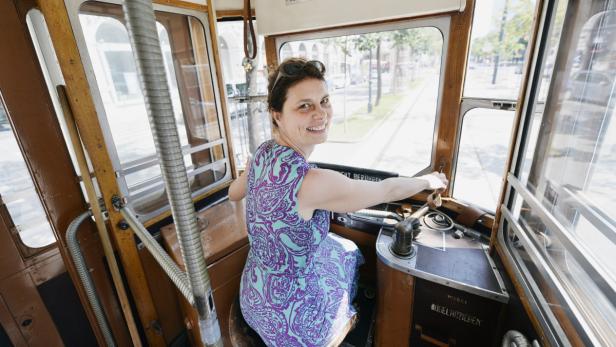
438	183
435	181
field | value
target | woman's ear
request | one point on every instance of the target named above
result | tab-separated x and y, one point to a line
276	117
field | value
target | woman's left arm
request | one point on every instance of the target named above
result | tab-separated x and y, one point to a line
330	190
237	190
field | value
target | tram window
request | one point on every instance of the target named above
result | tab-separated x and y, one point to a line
570	164
384	89
53	76
483	151
188	70
246	90
499	38
18	193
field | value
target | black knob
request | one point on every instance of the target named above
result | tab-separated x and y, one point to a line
404	232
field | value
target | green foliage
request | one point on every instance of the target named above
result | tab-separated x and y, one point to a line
365	42
516	34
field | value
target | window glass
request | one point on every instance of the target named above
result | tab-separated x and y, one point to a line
246	90
384	92
571	168
53	76
547	71
483	151
17	190
187	66
499	38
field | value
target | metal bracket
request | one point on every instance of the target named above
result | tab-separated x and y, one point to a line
117	202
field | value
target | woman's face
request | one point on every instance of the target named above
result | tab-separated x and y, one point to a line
306	115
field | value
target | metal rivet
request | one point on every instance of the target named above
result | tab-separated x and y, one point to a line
123	225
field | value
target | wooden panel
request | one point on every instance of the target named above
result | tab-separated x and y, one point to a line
165	296
394	307
10	326
225	232
225	276
223	299
271	54
95	259
82	105
47	269
225	247
459	41
226	268
10	260
28	311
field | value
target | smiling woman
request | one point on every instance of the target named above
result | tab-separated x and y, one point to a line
299	280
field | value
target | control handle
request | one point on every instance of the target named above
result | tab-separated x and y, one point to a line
404	232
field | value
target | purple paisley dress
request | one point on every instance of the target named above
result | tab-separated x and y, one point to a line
299	280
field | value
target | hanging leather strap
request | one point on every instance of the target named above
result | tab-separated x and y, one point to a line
248	27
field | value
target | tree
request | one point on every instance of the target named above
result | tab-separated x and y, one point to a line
366	43
513	35
419	41
400	39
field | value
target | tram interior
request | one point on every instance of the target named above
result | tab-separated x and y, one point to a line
512	100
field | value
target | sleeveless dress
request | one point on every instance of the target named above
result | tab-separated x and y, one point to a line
299	280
